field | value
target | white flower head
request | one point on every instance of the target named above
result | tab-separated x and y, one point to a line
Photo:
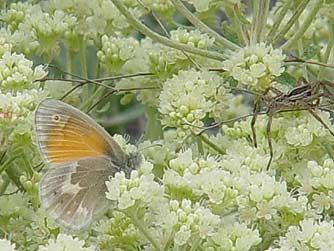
66	243
5	245
255	66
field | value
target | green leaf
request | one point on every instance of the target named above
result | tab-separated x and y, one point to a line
286	79
311	51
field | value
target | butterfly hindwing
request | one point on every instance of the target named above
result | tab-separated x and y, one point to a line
73	193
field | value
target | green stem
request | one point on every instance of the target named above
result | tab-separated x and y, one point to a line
311	15
83	63
202	26
90	99
279	19
83	59
5	165
328	49
146	233
135	22
255	17
291	21
70	61
4	185
261	20
301	51
200	145
153	127
211	144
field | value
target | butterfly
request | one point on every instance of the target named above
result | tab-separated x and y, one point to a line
81	156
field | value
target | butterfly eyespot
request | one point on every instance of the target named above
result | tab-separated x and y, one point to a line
56	117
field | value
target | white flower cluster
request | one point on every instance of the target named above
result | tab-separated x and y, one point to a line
16	72
193	38
302	130
262	197
191	219
200	178
140	190
34	31
205	5
15	14
5	245
255	66
115	52
16	111
233	237
66	243
188	98
317	182
309	235
163	7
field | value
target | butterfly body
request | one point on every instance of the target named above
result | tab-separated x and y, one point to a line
81	156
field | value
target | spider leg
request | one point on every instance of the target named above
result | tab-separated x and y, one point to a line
271	152
301	81
317	117
256	110
274	90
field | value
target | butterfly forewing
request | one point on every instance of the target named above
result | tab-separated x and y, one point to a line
64	133
82	156
74	192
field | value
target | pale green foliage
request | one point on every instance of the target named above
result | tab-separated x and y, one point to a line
194	189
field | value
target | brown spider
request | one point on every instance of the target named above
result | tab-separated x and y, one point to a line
305	96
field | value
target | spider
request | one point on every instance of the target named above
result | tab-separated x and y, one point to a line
305	96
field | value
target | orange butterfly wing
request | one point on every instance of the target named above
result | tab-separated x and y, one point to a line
65	134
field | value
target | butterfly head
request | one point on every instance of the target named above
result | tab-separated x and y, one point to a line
132	162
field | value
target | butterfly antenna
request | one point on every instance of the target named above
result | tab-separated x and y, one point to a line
146	147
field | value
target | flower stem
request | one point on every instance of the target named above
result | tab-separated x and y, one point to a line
153	127
145	231
311	15
282	13
202	26
135	22
210	143
292	20
260	15
328	48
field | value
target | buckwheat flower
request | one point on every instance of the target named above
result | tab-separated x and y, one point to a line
193	38
140	189
66	243
200	177
4	45
302	130
309	235
268	197
192	220
319	177
46	28
15	14
234	237
255	66
5	245
187	98
16	72
117	232
162	7
115	52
